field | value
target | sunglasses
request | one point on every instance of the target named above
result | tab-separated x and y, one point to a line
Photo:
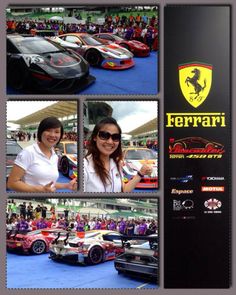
103	135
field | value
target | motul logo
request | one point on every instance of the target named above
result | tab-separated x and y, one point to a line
212	188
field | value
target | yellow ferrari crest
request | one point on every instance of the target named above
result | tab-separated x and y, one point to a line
195	82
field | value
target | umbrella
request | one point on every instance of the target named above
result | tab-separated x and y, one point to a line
57	18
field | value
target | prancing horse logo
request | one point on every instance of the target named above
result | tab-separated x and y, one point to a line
195	82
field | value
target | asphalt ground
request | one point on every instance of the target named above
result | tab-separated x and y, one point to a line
32	271
142	79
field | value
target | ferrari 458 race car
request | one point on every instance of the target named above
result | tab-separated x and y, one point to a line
35	242
133	159
136	47
67	152
36	65
92	247
195	143
110	56
139	259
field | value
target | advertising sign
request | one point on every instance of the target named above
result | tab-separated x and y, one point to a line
197	194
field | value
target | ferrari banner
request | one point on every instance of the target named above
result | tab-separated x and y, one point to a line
197	147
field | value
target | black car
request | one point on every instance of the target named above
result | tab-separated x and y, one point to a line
13	149
140	257
38	66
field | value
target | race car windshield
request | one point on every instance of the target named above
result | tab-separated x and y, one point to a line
71	148
91	41
140	155
37	46
13	149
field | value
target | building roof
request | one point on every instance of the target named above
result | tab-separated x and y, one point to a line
59	109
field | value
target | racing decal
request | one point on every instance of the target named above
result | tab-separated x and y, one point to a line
195	82
182	179
212	188
179	205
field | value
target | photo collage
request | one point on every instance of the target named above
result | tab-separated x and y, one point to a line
118	164
82	174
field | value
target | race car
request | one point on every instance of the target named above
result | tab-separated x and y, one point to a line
13	149
197	143
136	47
140	259
110	56
91	247
35	242
43	67
133	159
67	152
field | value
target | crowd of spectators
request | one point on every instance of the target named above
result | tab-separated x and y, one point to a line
139	27
26	217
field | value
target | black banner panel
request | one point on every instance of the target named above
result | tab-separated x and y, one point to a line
197	194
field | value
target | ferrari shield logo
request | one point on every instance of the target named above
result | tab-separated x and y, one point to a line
195	82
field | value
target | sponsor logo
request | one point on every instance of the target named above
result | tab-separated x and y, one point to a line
212	188
195	81
213	205
179	205
195	148
185	120
182	179
181	191
212	178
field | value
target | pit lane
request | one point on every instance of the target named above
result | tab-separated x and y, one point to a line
32	271
138	80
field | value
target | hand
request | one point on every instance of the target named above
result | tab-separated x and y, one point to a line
146	170
72	185
49	187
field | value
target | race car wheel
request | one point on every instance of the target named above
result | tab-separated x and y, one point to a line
38	247
95	255
64	166
93	57
125	46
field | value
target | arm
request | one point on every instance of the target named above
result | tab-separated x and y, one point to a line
16	183
72	185
145	170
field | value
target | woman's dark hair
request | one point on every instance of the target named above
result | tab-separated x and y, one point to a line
93	150
48	123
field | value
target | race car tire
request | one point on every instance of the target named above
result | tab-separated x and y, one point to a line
64	165
125	46
38	247
93	57
95	255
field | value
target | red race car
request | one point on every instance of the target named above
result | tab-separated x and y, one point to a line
35	242
136	47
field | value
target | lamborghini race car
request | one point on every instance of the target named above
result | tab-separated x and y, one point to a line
139	259
35	242
136	47
133	159
110	56
67	152
90	247
36	65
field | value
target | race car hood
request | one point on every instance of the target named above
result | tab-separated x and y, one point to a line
114	51
62	64
138	44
